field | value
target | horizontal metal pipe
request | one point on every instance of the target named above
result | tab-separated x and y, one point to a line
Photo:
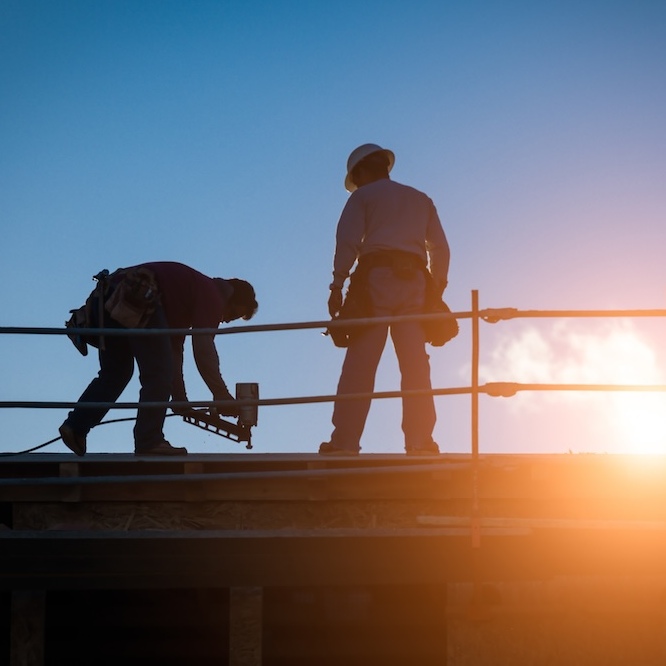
264	402
229	476
493	315
508	389
489	315
493	389
258	328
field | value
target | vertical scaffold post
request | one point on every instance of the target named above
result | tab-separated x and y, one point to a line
475	611
475	522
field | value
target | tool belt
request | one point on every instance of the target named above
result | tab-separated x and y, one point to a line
134	296
129	295
438	332
89	315
404	265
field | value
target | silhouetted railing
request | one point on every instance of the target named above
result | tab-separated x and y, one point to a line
476	315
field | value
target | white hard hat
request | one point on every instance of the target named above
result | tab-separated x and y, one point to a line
361	153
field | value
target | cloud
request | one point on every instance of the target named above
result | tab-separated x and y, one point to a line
585	353
612	353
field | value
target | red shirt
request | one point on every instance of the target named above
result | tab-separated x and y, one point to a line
191	299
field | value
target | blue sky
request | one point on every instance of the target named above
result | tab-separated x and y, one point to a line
216	134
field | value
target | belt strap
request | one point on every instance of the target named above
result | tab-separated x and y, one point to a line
391	259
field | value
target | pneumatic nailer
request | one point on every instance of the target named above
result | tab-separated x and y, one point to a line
246	394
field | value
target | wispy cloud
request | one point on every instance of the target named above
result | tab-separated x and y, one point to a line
566	353
612	353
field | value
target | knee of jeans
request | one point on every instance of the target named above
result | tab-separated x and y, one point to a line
117	376
125	373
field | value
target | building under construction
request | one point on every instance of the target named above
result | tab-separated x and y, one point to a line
288	559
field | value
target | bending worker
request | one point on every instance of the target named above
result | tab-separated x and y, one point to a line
394	233
178	297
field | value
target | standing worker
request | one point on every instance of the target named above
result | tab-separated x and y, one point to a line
172	295
394	233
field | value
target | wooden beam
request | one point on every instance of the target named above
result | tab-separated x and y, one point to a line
245	626
27	628
156	559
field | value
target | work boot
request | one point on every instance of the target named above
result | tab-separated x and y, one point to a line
163	449
74	441
427	449
330	449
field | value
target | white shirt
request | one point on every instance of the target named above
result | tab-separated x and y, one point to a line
385	215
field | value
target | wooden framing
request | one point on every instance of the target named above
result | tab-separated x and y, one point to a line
247	523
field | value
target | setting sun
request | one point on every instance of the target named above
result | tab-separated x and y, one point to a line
638	415
640	422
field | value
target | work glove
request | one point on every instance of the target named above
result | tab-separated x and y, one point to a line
335	302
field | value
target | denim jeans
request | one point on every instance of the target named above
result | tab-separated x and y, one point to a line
154	359
390	295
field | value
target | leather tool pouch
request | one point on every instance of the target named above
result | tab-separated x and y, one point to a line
84	317
134	298
79	319
440	331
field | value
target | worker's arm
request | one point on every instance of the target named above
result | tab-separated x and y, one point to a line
348	240
178	393
438	249
208	364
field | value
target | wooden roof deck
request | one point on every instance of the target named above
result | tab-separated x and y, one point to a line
277	519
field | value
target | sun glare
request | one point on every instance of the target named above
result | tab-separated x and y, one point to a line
637	415
640	422
614	354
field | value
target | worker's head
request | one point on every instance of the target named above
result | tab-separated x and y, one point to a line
366	164
242	303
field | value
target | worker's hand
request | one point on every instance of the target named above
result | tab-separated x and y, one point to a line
335	302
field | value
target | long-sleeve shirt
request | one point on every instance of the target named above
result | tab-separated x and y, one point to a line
192	300
385	215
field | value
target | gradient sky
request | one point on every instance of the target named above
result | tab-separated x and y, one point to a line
216	134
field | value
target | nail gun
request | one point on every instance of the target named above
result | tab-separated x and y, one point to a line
246	394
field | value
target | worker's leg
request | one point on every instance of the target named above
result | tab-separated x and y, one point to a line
154	360
116	366
358	376
418	412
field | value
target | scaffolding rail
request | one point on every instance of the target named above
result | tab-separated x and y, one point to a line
474	390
